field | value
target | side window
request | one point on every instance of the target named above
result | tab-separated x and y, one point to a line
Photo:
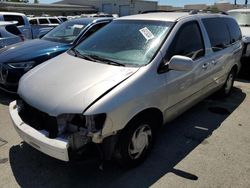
0	35
187	42
93	29
234	29
33	22
19	19
43	21
53	21
218	33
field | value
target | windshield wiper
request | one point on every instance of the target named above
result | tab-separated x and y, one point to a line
78	54
105	60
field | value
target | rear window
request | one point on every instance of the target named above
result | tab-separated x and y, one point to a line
53	21
218	33
13	29
33	22
43	21
19	19
234	29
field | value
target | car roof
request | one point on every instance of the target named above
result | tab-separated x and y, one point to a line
240	10
170	16
90	20
3	23
12	13
157	16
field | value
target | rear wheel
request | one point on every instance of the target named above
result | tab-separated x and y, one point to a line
228	86
136	142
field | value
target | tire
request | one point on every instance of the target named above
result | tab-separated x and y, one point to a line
226	89
135	142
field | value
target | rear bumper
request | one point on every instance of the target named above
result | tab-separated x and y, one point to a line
57	148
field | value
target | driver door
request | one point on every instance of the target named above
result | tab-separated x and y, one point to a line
185	88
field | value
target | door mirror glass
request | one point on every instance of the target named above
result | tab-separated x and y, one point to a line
180	63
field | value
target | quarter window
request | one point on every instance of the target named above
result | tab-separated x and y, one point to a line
234	29
187	42
13	29
218	33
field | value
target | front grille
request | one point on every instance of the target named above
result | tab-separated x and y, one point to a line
37	119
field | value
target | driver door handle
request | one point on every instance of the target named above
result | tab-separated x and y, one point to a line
214	62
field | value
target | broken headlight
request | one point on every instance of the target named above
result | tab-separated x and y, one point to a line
93	123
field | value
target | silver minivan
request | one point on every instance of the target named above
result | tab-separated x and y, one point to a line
121	84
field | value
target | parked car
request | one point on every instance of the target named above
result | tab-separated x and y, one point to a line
22	22
20	58
49	21
23	25
9	34
242	16
122	83
43	25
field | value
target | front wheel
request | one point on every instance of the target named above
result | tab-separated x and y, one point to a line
135	142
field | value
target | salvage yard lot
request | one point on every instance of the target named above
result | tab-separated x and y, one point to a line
208	146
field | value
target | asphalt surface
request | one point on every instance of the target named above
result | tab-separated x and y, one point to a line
208	146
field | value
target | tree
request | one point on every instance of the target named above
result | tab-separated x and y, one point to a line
235	2
36	1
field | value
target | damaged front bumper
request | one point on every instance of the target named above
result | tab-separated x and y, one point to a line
57	147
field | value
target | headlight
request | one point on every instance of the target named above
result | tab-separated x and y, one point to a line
23	65
93	123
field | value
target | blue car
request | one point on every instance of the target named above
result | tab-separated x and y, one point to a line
15	60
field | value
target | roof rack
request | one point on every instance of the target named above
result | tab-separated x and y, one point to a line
190	11
173	10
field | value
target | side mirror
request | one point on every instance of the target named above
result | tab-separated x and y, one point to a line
180	63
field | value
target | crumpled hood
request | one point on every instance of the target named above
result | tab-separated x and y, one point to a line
67	84
245	33
29	50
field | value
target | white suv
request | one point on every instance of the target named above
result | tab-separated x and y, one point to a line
122	83
242	16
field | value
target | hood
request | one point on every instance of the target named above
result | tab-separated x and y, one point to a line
30	50
67	84
245	33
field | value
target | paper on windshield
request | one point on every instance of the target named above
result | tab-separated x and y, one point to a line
77	26
146	33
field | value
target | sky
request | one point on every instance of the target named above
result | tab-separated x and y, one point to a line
173	2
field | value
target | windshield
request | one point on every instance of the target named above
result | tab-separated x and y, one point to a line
243	18
125	42
65	33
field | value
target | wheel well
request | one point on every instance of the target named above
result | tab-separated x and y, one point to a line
153	114
235	69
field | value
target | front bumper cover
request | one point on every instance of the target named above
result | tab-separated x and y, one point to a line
57	147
